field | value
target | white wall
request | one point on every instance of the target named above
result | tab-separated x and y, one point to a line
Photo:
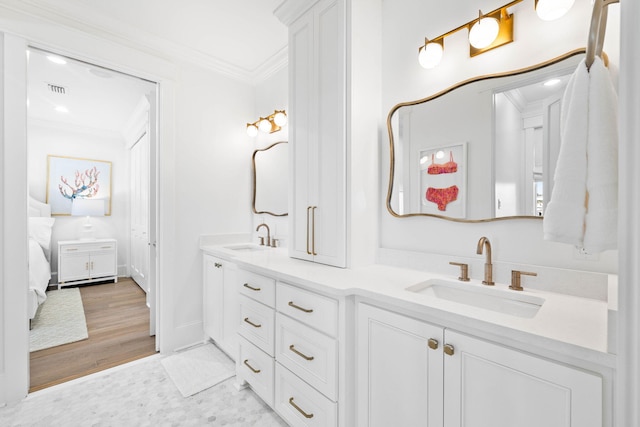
45	138
405	24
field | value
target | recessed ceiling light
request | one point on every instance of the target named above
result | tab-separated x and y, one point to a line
56	59
62	109
551	82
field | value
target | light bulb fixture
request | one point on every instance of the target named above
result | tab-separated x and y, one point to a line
484	31
550	10
430	54
270	124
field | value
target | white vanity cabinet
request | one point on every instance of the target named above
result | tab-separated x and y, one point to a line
405	378
317	133
221	306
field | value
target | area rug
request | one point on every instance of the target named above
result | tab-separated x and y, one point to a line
198	369
59	320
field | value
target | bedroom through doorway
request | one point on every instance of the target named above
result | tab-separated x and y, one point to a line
91	156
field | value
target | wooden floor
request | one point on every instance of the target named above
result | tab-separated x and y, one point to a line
118	326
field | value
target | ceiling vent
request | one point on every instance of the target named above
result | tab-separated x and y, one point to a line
57	89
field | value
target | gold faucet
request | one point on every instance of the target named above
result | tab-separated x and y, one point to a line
488	267
268	233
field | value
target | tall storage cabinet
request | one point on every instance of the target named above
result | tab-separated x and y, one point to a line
317	135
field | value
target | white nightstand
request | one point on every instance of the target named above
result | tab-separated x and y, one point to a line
87	261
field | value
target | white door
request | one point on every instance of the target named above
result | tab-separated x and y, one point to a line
139	158
399	370
488	385
551	143
152	217
212	296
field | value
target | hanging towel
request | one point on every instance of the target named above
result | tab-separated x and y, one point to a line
583	209
601	222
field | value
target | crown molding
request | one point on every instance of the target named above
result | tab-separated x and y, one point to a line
87	21
76	129
290	10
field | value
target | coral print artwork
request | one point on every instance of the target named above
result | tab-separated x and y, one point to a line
443	180
72	178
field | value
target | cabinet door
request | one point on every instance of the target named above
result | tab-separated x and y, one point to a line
73	267
231	310
103	264
399	377
213	278
487	385
301	135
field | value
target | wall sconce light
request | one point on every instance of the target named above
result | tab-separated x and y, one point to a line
270	124
550	10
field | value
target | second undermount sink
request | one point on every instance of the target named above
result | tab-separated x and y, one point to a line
246	247
498	300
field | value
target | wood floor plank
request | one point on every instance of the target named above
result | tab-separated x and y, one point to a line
118	325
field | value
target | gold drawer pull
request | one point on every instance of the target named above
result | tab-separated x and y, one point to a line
306	310
246	319
246	285
449	350
105	247
304	356
255	371
72	249
292	403
217	265
433	343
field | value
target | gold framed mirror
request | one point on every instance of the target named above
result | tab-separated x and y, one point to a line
481	150
270	168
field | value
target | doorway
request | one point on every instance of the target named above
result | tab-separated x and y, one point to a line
78	110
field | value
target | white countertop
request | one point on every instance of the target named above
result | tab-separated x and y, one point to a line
564	324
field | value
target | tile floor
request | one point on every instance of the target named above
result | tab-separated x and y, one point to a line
138	394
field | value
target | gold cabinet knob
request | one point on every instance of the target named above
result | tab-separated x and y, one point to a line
433	343
449	350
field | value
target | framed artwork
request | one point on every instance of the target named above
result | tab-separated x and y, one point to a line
70	178
443	180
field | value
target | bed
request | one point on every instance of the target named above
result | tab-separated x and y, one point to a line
40	229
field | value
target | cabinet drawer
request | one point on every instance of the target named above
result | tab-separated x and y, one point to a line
307	353
87	247
257	368
299	404
257	324
258	287
315	310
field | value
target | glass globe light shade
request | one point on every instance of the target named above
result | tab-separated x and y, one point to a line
280	118
549	10
264	125
252	130
430	55
484	32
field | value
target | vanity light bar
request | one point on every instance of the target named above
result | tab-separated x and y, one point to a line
483	27
270	124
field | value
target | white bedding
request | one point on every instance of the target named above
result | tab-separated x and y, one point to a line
39	271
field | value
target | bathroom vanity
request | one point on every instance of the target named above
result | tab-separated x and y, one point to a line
382	345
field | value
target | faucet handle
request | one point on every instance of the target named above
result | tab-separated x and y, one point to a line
464	271
261	240
515	279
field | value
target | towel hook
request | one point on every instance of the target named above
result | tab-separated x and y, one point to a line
597	30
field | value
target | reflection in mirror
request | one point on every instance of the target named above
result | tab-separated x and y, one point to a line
270	167
484	149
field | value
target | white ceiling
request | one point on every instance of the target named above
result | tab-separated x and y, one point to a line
241	39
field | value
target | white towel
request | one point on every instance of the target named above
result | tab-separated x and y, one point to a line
587	164
601	223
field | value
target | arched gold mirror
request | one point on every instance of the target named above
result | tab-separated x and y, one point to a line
270	167
482	150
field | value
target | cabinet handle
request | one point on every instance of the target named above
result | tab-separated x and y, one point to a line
255	371
105	247
92	265
292	403
72	249
217	265
246	319
433	343
86	266
308	209
246	285
306	310
313	230
449	350
304	356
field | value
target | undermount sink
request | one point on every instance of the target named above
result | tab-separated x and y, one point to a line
246	247
498	300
